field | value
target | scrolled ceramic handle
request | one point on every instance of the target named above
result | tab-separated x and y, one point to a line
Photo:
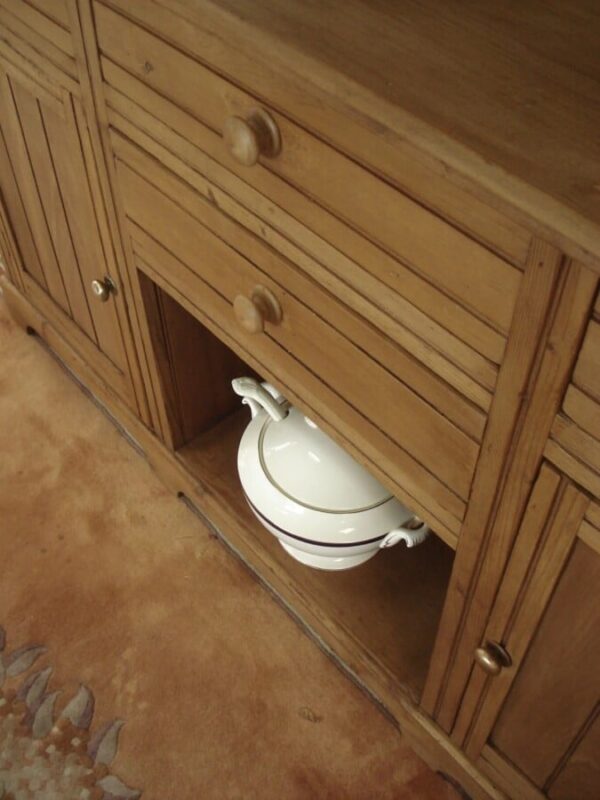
255	395
412	536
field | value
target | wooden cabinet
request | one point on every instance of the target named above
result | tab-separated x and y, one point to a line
436	274
54	207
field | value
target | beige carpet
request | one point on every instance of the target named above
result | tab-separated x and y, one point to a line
221	694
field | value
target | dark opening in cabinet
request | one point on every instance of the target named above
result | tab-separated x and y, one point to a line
380	618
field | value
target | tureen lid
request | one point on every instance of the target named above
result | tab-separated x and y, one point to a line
305	464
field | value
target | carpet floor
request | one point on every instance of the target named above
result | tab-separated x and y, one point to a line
137	655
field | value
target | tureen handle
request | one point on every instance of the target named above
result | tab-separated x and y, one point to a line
256	396
411	536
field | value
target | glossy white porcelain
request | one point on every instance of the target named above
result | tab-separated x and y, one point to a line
325	508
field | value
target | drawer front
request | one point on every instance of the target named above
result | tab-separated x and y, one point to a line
446	298
575	438
341	369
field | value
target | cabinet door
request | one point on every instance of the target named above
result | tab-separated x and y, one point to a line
548	726
53	202
535	731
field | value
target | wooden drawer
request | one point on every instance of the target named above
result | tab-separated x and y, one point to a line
342	369
575	439
445	298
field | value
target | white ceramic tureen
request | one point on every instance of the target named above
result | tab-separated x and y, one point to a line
326	510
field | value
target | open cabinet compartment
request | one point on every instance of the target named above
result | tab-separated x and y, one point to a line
380	618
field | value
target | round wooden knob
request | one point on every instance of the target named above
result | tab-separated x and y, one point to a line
492	658
252	312
256	135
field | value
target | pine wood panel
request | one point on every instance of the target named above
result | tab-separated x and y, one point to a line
19	221
28	59
10	256
593	514
468	272
42	24
575	445
196	368
571	465
166	417
587	371
29	192
570	436
20	34
53	204
53	9
583	410
590	534
32	80
558	685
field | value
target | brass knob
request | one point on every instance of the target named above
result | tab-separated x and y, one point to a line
252	312
256	135
102	289
492	657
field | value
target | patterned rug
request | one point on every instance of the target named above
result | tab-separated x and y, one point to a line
47	753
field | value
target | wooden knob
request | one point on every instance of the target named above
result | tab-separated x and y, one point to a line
256	135
252	312
492	658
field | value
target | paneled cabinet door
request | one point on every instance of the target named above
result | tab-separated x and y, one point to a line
537	732
50	188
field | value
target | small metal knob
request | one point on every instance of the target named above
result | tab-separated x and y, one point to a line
492	657
103	288
252	312
256	135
